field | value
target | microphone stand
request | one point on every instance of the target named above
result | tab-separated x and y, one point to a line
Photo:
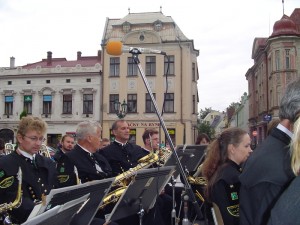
135	52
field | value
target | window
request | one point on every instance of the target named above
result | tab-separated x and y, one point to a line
132	103
88	80
150	65
169	102
67	104
287	59
47	104
169	61
28	104
149	104
112	99
277	60
88	104
131	67
9	82
28	82
172	133
126	27
47	81
114	70
194	104
193	72
68	80
8	107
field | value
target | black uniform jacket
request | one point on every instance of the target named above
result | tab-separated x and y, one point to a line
37	179
266	174
286	209
225	192
65	170
86	166
122	157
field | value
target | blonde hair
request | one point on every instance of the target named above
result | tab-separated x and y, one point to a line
295	148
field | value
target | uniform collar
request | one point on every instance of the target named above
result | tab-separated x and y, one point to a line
25	154
121	144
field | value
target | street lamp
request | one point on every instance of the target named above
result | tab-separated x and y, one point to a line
120	109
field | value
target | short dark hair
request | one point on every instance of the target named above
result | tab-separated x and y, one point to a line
200	137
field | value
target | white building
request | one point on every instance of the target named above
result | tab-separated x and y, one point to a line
60	91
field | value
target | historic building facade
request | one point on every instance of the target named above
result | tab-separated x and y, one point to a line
62	92
177	91
276	64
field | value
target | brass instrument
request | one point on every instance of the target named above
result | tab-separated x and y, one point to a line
44	151
113	197
197	180
163	153
123	179
9	148
5	207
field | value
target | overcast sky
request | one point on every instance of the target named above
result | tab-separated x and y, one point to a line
223	32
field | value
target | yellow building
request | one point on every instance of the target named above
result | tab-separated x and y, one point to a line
122	79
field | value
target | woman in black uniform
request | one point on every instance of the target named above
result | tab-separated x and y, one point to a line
222	168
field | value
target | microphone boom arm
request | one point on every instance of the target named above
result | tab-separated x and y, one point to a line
189	190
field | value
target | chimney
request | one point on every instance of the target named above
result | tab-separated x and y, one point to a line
49	58
12	62
99	55
78	55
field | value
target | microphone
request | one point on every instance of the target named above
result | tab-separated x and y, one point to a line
117	48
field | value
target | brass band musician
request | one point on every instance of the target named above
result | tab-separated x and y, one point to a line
38	172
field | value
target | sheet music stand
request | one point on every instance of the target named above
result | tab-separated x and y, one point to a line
58	215
141	193
97	190
190	157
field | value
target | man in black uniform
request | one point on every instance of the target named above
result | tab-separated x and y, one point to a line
122	156
38	172
67	175
90	166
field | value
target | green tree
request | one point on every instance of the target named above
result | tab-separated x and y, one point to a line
205	128
205	112
23	114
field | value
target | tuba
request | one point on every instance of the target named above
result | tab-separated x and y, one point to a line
5	207
9	148
44	151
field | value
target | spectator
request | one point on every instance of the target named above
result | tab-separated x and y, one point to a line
202	139
268	172
222	168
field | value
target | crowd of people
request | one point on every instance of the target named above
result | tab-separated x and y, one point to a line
249	187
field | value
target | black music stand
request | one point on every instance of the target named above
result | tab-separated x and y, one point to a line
141	193
60	214
189	156
96	189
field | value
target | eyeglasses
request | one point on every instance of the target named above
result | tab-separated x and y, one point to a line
36	139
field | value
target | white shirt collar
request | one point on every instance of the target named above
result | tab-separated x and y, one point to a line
285	130
84	149
26	154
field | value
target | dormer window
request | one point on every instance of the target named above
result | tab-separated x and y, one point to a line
126	27
158	25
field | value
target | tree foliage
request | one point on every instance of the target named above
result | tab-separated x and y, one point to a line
23	114
205	112
205	128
